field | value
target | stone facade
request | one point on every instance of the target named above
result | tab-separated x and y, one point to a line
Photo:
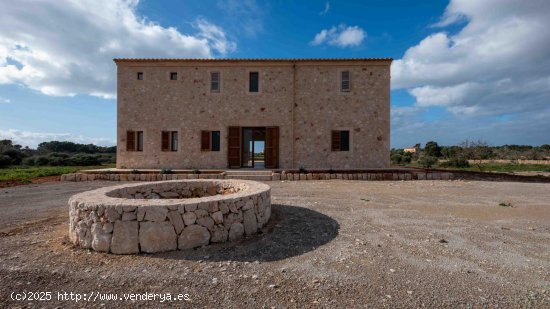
164	216
301	97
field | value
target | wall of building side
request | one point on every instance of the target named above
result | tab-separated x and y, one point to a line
187	105
365	111
304	101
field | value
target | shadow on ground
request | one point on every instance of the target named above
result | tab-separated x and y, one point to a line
291	231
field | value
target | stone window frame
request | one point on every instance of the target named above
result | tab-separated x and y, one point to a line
136	140
351	140
170	145
203	150
220	84
339	79
142	75
247	85
170	75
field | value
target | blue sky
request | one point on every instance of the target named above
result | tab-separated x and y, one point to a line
464	69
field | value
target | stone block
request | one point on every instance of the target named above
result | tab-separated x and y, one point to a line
125	237
250	224
156	213
236	231
157	237
193	236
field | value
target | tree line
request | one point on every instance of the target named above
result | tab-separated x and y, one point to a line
462	154
55	153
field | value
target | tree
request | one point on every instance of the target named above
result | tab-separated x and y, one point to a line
432	149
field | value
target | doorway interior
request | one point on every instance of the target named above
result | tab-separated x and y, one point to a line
253	147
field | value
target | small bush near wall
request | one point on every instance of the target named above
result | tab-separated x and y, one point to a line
427	161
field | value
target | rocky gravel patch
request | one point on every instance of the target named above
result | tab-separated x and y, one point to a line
328	244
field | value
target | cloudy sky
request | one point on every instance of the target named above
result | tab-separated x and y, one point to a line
464	69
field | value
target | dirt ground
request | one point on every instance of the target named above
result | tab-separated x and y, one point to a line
329	244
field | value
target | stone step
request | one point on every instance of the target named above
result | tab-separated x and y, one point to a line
250	177
248	173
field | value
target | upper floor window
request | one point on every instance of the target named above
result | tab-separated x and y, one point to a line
173	76
345	81
134	140
253	82
214	81
340	141
169	141
139	75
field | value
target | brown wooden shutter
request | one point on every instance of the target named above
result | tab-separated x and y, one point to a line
335	141
271	151
165	141
130	141
234	147
205	140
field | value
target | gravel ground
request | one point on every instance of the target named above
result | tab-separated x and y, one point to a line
328	244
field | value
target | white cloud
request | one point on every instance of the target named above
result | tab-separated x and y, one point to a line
32	139
496	64
340	36
4	100
215	35
66	47
244	16
326	10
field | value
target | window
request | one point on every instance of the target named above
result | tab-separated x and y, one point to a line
210	140
253	82
174	141
340	141
214	81
134	140
140	75
215	140
173	76
169	141
139	141
345	83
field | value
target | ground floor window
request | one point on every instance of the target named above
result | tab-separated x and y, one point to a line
134	140
210	140
340	140
169	141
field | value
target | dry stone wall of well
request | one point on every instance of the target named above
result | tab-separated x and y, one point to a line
163	216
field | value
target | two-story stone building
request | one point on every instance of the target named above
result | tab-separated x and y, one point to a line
272	113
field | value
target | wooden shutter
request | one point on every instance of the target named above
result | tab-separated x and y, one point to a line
335	141
205	140
234	147
165	141
130	141
271	151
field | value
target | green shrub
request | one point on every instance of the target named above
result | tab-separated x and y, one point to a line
302	170
427	161
42	160
166	171
29	161
5	160
16	155
396	158
456	162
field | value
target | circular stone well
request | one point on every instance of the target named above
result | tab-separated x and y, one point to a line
167	215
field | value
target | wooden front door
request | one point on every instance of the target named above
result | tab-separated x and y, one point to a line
271	151
234	147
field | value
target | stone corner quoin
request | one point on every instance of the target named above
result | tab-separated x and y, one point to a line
168	215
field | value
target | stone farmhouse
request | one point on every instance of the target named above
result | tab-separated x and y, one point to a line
253	113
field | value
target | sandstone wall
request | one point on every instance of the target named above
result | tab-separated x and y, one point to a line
302	98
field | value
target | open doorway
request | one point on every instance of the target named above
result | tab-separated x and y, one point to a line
253	147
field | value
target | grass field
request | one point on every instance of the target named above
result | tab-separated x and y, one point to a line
26	173
508	167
